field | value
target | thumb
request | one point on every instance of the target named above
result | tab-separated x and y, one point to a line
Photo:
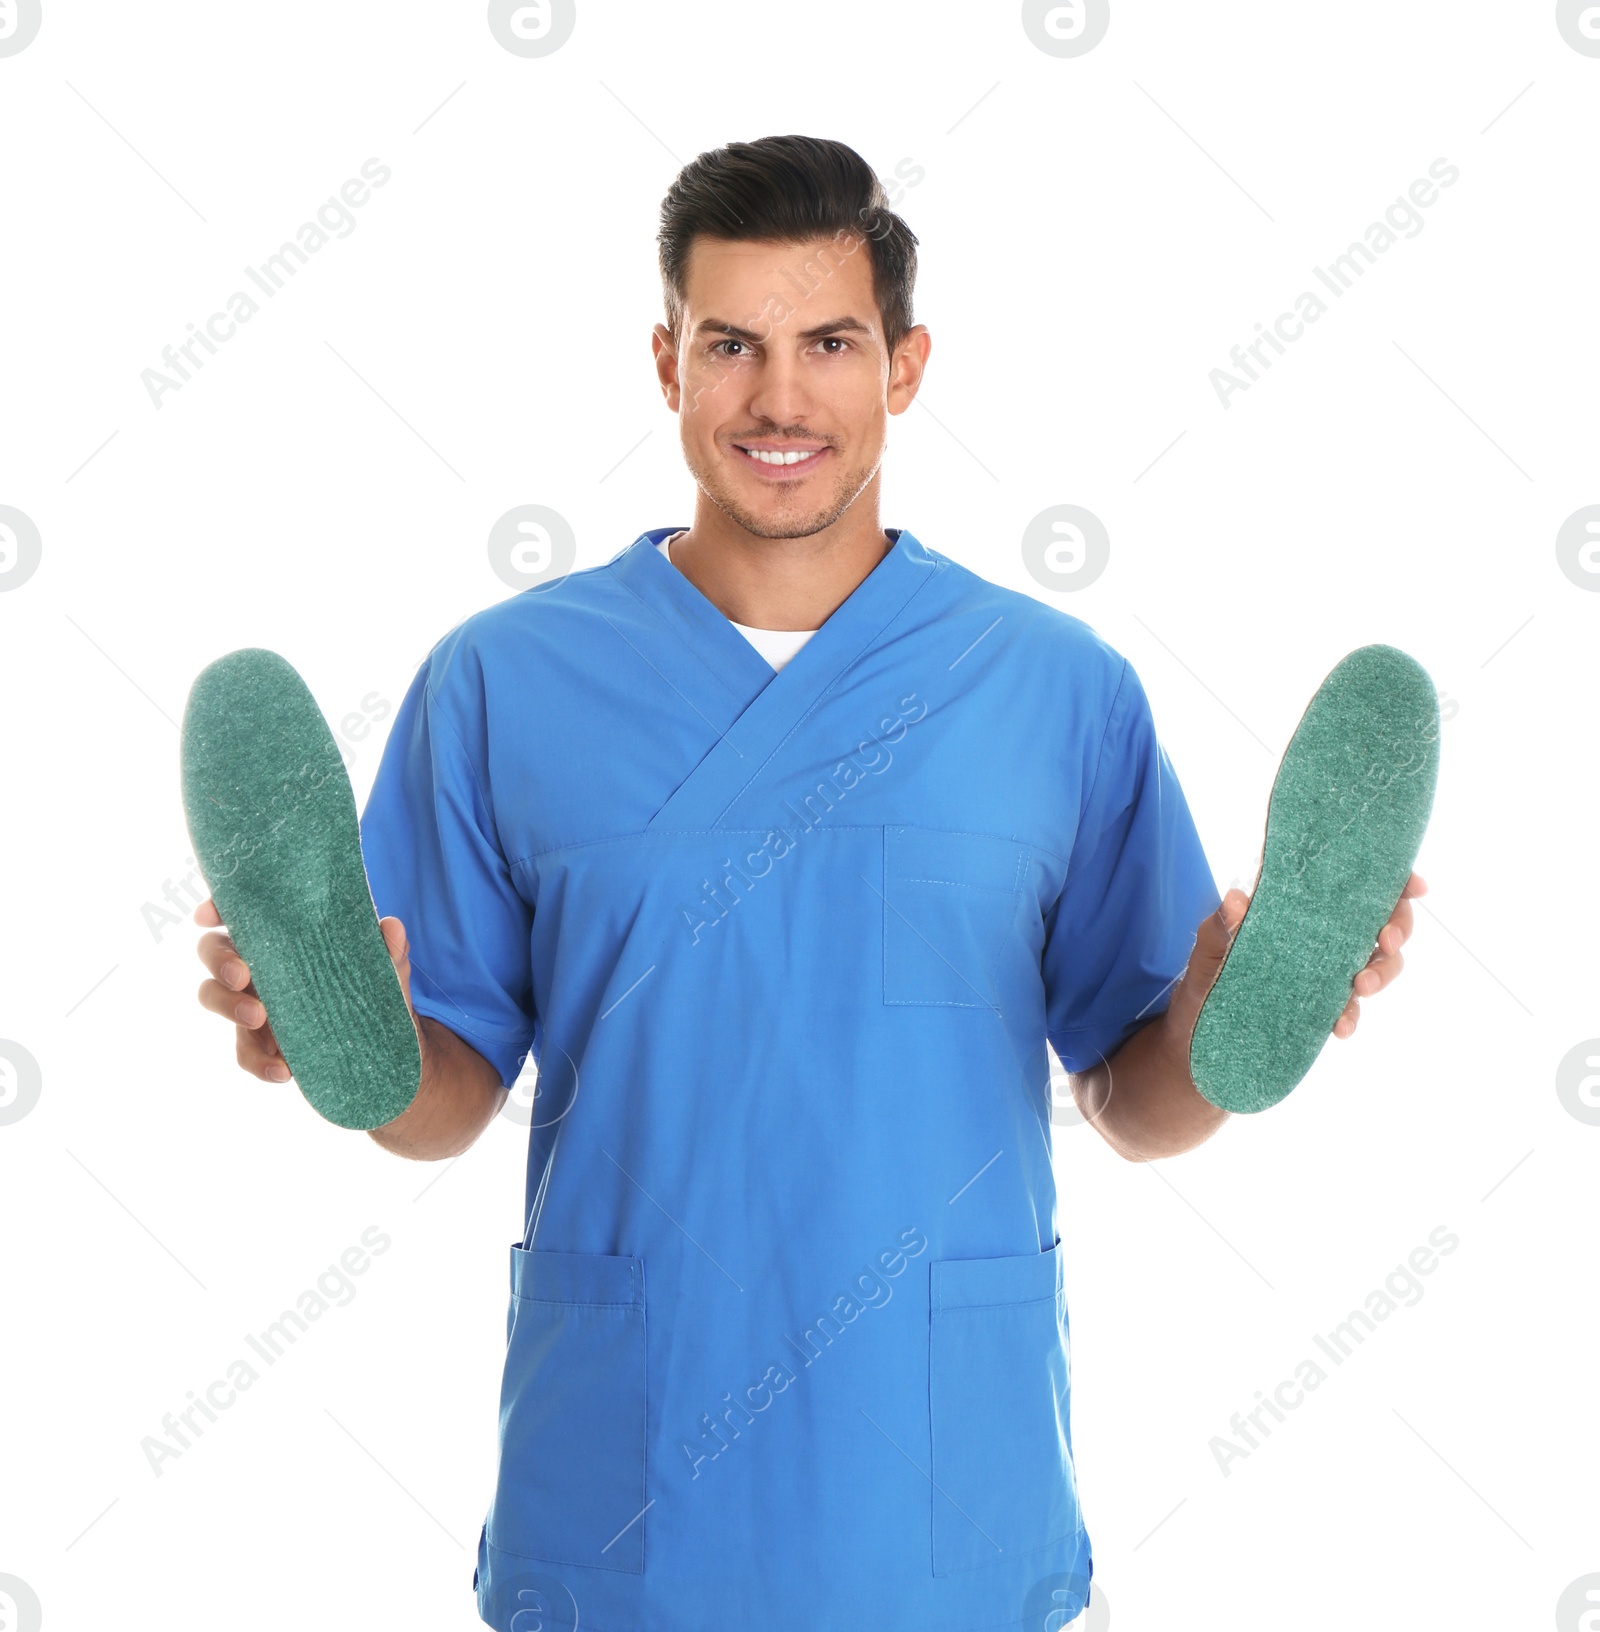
1214	937
395	939
1211	943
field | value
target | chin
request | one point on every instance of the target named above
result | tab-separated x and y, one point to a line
791	520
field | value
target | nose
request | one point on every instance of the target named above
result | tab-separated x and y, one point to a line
782	393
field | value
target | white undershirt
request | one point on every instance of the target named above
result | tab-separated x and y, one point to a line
776	645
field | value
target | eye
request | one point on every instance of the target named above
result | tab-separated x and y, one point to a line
834	340
721	343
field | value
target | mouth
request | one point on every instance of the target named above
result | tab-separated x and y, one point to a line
782	461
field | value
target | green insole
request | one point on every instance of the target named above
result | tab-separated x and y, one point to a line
272	818
1349	806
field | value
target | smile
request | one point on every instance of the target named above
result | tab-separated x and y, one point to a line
781	460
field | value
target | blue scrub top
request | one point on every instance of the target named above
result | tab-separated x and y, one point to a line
787	1342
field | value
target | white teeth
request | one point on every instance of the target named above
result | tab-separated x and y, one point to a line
778	458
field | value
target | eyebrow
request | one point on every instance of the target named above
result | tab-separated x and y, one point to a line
838	325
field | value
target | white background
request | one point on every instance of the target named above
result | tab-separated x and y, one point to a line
1096	233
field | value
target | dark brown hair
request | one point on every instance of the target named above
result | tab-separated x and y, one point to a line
790	189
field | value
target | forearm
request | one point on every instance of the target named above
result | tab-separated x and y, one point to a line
459	1096
1143	1100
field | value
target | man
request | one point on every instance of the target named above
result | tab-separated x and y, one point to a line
783	843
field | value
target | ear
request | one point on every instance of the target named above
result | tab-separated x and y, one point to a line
906	368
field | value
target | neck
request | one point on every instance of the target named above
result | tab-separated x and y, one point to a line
777	583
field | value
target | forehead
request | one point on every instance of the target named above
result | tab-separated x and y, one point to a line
731	281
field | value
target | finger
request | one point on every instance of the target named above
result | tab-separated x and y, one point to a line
243	1008
270	1050
1415	885
206	914
1378	973
1397	931
221	957
257	1052
1232	910
1369	978
1346	1023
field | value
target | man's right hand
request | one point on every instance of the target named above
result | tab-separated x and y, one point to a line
458	1096
232	994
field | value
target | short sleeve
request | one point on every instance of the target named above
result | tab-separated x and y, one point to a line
1138	887
434	861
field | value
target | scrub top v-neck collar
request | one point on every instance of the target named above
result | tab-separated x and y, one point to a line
724	677
777	646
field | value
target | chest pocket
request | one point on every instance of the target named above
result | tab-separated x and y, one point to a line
950	900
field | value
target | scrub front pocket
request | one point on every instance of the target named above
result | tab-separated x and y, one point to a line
998	1375
949	901
570	1486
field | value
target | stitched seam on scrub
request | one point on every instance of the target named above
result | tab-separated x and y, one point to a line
937	1003
560	1558
644	1427
956	832
1004	1303
974	1626
662	833
1013	889
961	884
573	1303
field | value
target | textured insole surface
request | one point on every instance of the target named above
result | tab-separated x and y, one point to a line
272	818
1349	806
